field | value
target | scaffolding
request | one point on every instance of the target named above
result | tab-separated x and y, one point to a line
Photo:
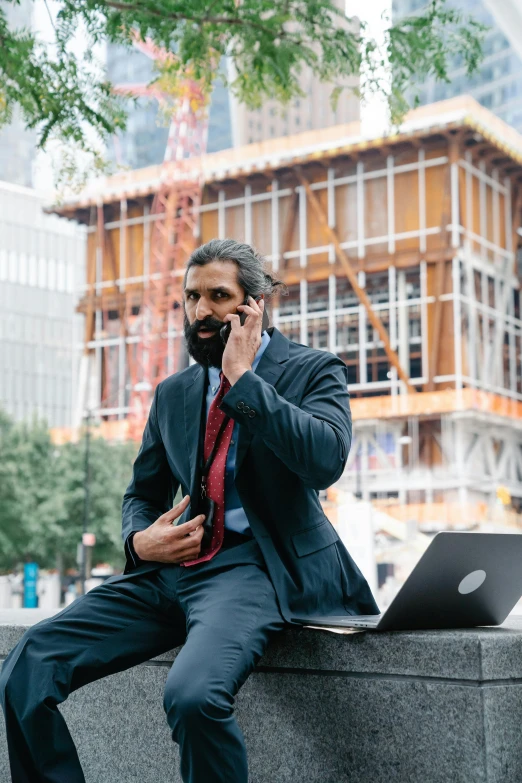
400	255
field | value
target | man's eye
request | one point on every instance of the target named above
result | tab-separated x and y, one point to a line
219	293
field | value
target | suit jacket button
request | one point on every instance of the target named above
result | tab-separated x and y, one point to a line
251	413
246	408
239	405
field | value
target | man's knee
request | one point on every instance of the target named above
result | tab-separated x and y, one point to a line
195	700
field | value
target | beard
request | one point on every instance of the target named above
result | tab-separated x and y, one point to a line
207	351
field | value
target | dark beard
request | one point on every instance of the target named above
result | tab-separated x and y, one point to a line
205	350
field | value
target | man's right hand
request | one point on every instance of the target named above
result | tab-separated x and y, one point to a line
165	542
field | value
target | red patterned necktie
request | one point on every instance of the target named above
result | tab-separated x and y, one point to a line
216	473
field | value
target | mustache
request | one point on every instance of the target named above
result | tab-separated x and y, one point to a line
210	324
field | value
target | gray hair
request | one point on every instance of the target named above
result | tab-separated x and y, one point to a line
252	274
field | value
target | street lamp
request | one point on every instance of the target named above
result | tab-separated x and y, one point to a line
86	537
406	440
358	488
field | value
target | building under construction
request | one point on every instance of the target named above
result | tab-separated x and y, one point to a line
400	254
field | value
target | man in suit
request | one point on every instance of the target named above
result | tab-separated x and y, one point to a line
270	558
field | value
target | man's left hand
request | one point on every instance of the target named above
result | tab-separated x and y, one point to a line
243	341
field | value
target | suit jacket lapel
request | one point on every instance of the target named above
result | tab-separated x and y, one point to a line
270	367
194	393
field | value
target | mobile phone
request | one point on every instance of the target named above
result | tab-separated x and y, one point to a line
225	330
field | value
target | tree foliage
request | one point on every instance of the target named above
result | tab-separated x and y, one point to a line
61	92
42	496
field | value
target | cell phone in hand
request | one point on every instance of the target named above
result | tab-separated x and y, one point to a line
226	329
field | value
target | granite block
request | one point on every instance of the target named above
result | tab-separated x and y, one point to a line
416	654
322	729
119	728
503	732
408	707
469	654
501	649
338	729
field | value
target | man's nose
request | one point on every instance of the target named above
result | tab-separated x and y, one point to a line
203	310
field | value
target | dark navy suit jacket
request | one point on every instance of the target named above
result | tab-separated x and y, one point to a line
294	438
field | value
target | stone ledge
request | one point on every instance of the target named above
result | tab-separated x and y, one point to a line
468	654
427	706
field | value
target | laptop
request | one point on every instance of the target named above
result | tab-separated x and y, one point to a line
462	580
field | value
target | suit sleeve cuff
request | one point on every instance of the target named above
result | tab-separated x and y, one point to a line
248	387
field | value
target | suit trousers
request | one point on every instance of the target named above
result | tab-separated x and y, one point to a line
223	611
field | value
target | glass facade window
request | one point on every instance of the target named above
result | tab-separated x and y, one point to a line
39	329
498	83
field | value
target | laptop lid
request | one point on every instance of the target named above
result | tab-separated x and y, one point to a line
462	580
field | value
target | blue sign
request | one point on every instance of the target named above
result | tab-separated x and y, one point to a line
30	580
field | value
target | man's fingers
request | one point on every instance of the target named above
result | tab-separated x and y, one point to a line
190	526
190	545
233	320
250	310
176	511
182	503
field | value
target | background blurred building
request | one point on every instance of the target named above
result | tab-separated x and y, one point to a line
17	145
144	141
498	83
311	112
41	258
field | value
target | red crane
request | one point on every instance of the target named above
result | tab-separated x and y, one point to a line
174	215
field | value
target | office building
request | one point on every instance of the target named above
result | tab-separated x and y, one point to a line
17	144
498	83
310	112
42	260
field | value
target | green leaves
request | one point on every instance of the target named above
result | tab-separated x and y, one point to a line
63	94
42	495
424	45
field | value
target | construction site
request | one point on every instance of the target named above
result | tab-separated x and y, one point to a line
401	254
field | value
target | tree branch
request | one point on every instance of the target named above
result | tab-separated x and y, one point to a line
182	17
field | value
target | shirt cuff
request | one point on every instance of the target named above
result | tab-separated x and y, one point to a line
130	551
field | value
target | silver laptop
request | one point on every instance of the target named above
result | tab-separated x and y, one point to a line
462	580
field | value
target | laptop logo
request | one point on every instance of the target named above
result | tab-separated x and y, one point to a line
472	582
